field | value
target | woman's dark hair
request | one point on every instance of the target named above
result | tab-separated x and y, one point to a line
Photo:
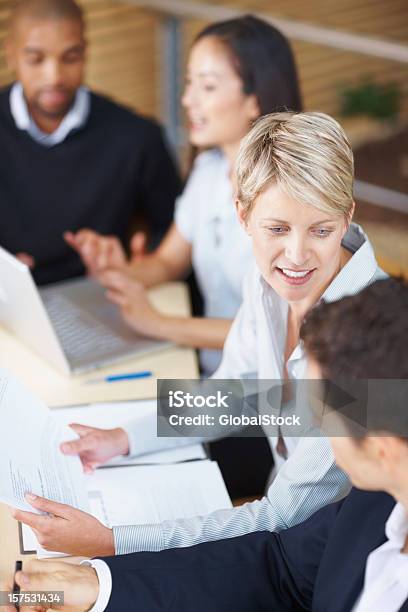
263	59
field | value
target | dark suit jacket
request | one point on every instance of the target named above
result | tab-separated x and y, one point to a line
318	565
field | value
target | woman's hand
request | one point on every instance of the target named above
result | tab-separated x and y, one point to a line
96	446
130	295
97	252
26	259
66	529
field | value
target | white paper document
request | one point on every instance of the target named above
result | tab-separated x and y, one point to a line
140	495
30	460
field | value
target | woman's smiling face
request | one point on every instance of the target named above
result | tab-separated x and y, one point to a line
297	247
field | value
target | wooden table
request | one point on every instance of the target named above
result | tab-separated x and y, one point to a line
57	390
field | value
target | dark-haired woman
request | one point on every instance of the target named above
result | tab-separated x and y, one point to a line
238	70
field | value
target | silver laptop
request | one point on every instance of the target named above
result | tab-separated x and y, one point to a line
70	324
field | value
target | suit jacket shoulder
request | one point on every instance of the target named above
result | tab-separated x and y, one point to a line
316	566
359	529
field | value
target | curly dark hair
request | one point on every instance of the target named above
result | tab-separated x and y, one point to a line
363	335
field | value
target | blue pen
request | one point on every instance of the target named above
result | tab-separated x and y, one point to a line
119	377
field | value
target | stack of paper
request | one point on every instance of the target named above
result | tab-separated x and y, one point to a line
129	494
139	495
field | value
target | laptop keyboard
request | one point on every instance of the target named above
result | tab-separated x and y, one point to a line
82	337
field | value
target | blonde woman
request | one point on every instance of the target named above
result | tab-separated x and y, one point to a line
295	201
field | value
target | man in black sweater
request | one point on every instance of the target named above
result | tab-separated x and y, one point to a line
70	158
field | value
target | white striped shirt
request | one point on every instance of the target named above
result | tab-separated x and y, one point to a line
309	479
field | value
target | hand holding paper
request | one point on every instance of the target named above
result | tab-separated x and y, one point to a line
31	462
30	442
66	528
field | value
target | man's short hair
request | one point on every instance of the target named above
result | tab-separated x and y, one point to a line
47	9
363	335
305	154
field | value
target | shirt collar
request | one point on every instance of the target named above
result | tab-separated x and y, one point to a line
73	120
358	271
396	528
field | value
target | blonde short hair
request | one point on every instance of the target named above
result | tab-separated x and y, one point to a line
306	154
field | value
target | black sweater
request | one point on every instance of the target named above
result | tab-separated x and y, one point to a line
99	177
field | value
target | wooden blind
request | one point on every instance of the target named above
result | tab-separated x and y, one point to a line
376	18
124	54
323	70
